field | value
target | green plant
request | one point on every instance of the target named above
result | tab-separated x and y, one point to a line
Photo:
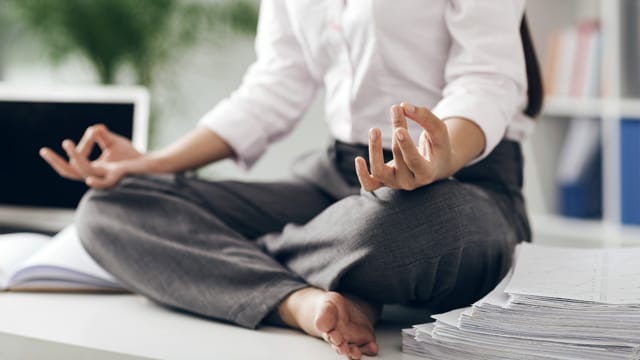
3	31
144	34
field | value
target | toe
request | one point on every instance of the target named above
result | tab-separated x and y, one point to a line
342	349
335	337
370	349
354	352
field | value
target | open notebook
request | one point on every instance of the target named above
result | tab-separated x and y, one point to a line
35	262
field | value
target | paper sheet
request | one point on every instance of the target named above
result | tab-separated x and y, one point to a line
595	275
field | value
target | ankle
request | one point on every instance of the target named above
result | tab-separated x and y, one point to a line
293	306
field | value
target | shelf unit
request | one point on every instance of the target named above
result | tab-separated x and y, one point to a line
546	16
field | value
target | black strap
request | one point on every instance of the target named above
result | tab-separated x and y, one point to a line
534	79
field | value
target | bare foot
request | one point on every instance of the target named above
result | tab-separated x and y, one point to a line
344	322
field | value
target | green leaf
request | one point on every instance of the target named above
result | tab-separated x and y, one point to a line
143	33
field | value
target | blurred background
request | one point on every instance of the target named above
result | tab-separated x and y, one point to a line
189	53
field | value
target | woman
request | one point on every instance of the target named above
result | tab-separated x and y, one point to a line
426	212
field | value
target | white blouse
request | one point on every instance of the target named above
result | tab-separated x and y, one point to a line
460	58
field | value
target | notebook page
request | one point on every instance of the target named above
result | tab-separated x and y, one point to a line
15	249
64	252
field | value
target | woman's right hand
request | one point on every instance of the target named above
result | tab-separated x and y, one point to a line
116	160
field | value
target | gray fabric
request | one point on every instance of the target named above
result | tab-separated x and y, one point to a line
234	250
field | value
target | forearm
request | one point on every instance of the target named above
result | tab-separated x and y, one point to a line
197	148
467	142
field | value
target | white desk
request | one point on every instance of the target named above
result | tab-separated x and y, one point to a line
79	326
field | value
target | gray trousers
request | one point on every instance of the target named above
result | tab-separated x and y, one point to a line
234	250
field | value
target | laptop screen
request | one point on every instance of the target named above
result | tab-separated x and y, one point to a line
26	126
32	195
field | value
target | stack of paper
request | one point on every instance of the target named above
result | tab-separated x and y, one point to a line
556	304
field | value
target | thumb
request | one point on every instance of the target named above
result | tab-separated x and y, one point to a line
112	177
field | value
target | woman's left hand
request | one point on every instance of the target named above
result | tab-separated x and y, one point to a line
412	166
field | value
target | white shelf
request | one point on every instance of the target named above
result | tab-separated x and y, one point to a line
559	230
609	231
567	107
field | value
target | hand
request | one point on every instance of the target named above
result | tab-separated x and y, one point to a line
102	173
412	166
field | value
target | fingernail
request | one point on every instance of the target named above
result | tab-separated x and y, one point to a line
410	108
372	134
43	152
400	135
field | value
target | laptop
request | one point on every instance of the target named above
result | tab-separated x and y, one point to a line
32	195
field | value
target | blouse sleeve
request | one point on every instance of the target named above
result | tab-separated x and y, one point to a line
485	73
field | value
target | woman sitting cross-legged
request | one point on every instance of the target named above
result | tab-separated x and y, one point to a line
421	205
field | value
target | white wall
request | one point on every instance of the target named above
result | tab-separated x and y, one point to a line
208	75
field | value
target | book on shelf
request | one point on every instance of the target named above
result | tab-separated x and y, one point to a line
630	49
555	303
579	173
36	262
630	170
572	65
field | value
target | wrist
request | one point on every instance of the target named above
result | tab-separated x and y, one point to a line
453	165
146	164
154	163
466	142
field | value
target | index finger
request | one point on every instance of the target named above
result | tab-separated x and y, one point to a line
91	135
79	162
418	165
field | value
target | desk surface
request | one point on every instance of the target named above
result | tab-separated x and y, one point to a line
79	326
